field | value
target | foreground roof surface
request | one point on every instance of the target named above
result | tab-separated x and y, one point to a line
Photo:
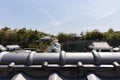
55	76
60	66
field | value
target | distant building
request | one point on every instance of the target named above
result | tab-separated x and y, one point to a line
2	48
55	46
117	31
13	47
100	46
116	49
75	36
46	38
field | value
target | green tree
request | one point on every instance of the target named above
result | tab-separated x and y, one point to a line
6	28
110	30
94	35
62	37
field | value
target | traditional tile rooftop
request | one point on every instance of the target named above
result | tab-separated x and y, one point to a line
60	66
100	46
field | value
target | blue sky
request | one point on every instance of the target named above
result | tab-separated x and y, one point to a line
54	16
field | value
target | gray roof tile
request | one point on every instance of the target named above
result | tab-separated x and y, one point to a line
60	66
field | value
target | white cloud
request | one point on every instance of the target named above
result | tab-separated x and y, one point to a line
101	9
91	11
108	13
56	23
53	21
45	12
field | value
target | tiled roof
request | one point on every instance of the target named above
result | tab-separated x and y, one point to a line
12	47
60	66
100	45
2	48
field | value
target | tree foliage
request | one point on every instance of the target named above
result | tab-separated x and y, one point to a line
113	37
94	35
31	38
23	37
62	37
